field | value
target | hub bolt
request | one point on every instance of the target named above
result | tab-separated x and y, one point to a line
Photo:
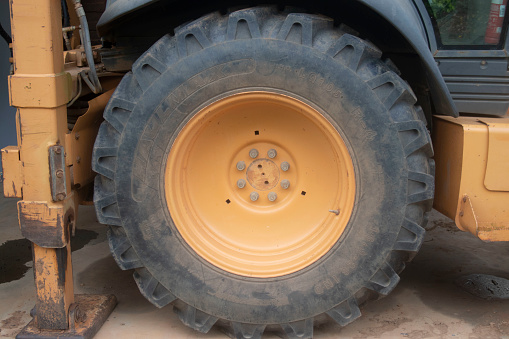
254	196
271	153
272	196
285	184
253	153
241	183
241	165
285	166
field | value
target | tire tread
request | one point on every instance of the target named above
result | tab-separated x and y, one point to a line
264	22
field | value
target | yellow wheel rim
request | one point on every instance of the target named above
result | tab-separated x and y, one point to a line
260	184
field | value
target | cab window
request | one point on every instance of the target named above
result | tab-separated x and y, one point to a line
468	22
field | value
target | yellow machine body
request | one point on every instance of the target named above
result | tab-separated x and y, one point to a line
472	167
50	169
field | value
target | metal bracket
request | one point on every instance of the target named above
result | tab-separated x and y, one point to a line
57	173
76	317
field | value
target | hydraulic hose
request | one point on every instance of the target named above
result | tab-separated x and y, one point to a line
91	78
5	35
8	40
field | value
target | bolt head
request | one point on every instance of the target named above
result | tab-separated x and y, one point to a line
254	196
241	165
285	166
285	184
241	183
272	196
271	153
253	153
60	174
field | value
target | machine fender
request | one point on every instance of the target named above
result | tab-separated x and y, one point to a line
403	15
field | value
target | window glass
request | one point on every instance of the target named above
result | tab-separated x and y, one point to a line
468	22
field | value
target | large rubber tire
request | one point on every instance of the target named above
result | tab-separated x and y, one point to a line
297	55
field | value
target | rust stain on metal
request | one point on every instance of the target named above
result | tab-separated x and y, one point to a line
44	225
53	278
263	174
86	316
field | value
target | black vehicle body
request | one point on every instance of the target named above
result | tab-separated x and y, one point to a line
447	81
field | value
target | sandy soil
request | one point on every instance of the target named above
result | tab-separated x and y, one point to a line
426	303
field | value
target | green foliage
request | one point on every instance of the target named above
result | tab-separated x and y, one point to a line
442	7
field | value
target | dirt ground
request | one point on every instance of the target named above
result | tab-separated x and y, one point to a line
426	304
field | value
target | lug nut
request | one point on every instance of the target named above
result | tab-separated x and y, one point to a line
241	183
285	166
285	184
272	196
241	165
254	196
253	153
271	153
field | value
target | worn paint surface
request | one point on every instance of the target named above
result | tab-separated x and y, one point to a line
90	312
471	183
53	281
40	90
47	226
12	174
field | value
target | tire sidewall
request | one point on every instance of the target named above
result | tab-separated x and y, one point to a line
281	67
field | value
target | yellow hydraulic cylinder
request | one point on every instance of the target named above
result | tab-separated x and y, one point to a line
40	89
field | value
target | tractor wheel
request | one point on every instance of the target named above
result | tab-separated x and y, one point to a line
263	169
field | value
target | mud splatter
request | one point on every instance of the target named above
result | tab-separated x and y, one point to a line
14	321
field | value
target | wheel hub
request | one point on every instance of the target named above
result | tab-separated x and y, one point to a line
263	174
250	182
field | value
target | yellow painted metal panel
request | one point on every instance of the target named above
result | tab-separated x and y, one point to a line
497	167
40	90
448	147
54	282
37	37
462	147
80	141
12	175
40	129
